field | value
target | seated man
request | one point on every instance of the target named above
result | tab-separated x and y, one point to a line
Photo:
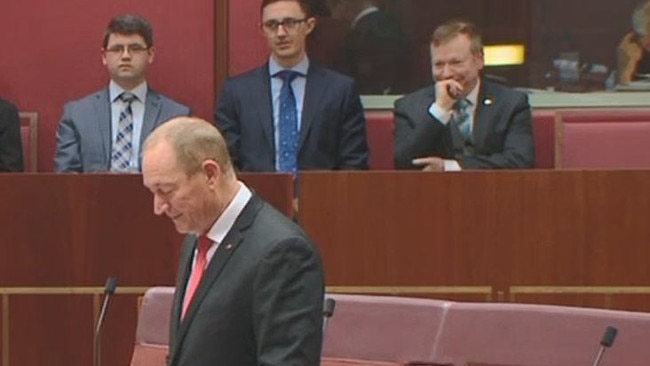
633	53
462	121
104	130
376	47
289	114
11	147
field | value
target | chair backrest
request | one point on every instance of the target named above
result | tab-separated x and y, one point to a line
380	130
152	332
520	334
544	133
29	139
616	138
385	329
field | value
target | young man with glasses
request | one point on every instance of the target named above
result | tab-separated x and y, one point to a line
289	114
104	131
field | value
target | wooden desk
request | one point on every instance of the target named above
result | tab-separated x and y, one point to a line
559	237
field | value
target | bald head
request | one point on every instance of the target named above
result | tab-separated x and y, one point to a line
193	141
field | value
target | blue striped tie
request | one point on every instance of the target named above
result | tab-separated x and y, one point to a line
121	152
288	124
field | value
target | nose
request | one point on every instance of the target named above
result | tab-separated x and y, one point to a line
126	53
281	32
446	71
159	205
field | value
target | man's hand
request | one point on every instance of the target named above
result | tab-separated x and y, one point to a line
430	164
629	53
447	93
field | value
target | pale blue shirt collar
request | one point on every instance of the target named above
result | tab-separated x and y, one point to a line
115	91
472	97
301	67
362	14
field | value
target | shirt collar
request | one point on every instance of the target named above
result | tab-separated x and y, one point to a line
301	67
224	223
362	14
140	91
472	97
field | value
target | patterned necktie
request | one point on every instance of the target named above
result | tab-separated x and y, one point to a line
461	119
288	124
121	152
200	263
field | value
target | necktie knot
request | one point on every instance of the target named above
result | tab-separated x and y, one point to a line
127	97
287	76
461	105
204	245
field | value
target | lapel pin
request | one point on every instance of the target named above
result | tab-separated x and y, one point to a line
487	101
228	246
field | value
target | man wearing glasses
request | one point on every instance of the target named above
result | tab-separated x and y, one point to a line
103	132
289	114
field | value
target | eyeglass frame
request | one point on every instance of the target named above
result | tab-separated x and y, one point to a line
131	49
271	26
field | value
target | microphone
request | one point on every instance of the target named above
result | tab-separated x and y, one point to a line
605	343
109	290
328	311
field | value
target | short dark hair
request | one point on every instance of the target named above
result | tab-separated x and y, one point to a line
304	5
128	24
450	29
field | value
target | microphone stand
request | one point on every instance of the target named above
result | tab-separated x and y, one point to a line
109	289
606	342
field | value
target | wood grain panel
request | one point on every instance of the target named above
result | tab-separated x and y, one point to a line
498	229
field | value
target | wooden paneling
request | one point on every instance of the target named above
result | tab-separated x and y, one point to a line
63	235
496	229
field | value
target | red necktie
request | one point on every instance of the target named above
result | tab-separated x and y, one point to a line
197	272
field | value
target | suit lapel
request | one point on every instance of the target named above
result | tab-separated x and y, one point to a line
103	115
151	112
315	89
265	110
224	252
486	107
185	269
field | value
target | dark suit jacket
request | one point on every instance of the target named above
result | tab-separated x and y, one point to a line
376	52
332	129
84	138
502	133
11	146
260	300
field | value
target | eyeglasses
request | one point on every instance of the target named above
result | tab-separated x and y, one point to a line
289	24
132	49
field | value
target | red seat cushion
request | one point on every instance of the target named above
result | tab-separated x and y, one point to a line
380	130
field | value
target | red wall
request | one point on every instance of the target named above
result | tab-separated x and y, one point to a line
246	42
51	54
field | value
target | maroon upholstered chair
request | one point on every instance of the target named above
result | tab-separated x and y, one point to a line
383	329
29	139
152	332
380	129
544	134
521	334
603	138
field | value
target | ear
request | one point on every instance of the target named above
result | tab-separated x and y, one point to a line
103	52
311	24
151	52
212	172
479	59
